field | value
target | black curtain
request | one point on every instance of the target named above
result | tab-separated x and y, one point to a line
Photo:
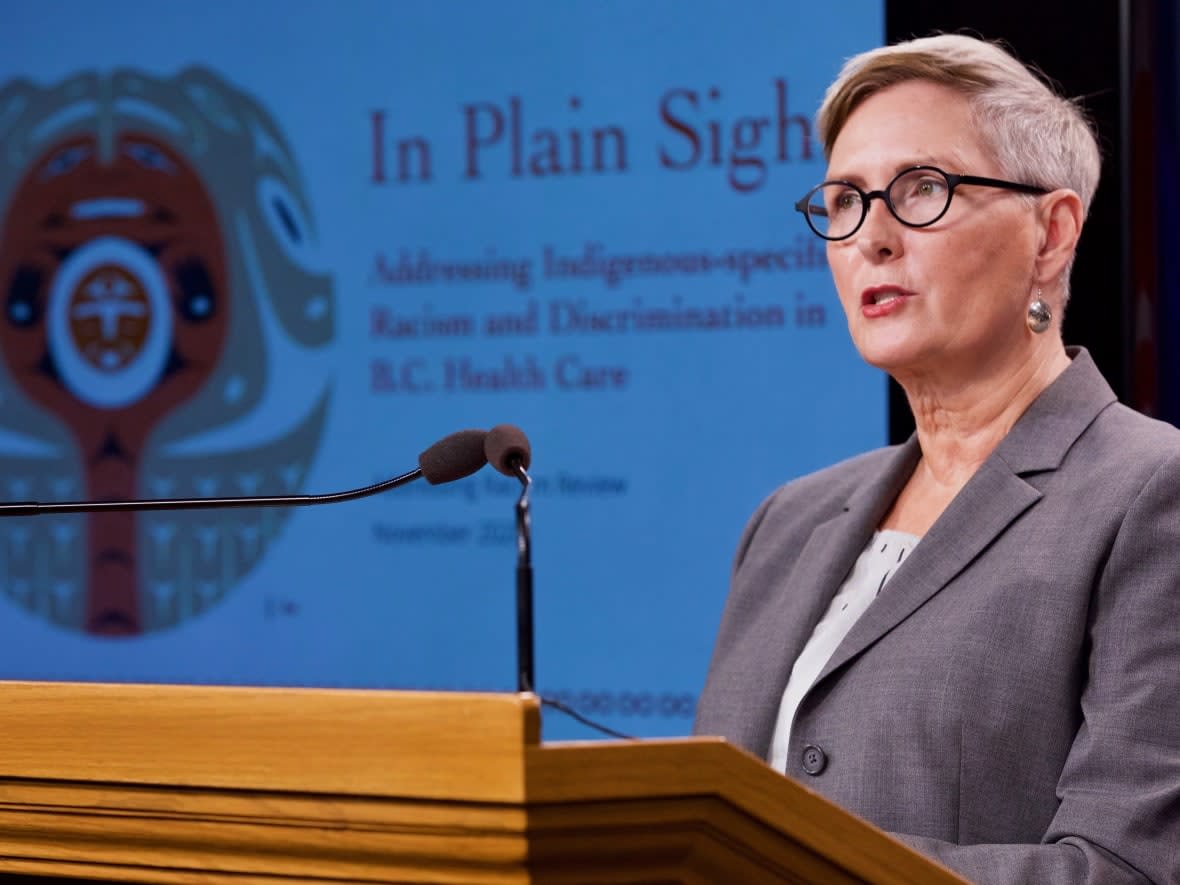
1079	44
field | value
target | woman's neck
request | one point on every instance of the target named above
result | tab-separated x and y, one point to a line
959	424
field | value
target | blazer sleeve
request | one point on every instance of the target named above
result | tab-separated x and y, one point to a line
1118	820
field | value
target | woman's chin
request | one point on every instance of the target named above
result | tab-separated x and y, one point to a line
890	356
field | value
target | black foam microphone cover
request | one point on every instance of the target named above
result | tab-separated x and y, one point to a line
453	457
505	447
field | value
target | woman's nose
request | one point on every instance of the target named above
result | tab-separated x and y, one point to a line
879	237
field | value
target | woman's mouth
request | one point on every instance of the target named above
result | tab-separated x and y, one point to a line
881	300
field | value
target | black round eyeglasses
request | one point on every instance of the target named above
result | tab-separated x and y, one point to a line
916	197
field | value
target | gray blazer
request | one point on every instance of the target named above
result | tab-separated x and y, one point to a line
1010	703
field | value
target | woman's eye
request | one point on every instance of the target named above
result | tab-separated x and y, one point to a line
846	200
929	187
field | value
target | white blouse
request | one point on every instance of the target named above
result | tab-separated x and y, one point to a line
876	563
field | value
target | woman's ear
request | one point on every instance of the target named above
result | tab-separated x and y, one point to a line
1061	216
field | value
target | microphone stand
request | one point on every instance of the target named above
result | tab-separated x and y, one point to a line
525	676
507	449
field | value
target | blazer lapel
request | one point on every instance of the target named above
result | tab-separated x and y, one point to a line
986	506
811	581
824	562
992	499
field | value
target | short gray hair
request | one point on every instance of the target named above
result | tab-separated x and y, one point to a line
1035	135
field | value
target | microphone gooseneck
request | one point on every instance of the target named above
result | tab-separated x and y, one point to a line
452	457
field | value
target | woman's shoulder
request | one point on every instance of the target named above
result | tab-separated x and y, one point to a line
1081	411
1152	431
1121	435
791	511
837	482
1121	460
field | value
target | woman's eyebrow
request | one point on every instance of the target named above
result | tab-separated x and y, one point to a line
946	164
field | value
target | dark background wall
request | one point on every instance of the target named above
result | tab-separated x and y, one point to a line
1079	44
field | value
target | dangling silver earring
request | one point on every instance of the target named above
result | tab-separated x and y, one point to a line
1039	315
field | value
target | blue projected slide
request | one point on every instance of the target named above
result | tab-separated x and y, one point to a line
264	247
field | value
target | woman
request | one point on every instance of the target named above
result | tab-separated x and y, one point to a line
972	639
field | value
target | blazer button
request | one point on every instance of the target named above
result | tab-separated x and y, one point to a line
815	759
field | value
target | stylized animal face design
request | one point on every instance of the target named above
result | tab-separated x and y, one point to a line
144	302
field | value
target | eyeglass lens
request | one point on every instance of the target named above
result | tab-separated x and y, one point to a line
917	197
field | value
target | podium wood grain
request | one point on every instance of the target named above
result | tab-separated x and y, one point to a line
183	784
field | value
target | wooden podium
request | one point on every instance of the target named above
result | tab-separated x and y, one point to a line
158	783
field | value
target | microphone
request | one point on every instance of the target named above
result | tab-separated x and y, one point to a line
453	457
508	450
